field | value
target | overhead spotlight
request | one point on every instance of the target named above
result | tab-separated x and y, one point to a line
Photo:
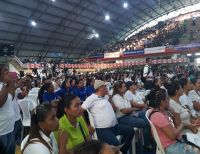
125	5
53	0
97	35
33	23
107	17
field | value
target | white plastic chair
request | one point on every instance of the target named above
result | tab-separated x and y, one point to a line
92	124
34	90
159	149
26	106
34	99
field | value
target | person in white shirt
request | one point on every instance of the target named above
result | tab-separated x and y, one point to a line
133	96
41	139
105	121
185	100
174	92
194	94
128	115
7	117
148	75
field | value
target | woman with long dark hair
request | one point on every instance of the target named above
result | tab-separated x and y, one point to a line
41	139
72	127
168	127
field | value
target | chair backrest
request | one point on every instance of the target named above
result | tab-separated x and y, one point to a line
34	98
92	124
26	106
159	149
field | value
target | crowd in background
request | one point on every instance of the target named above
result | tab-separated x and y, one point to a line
117	102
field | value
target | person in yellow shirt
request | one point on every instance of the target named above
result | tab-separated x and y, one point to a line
72	126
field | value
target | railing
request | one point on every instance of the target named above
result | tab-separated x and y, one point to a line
20	62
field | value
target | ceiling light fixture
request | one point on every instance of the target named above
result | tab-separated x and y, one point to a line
33	23
107	17
125	5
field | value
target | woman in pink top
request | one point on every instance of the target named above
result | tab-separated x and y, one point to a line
168	129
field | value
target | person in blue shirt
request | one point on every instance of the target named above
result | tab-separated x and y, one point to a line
90	86
73	85
80	90
49	94
65	88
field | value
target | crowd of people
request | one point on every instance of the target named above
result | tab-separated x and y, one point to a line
163	34
117	103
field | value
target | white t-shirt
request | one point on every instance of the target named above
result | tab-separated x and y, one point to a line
38	147
7	115
194	96
146	72
186	101
121	103
178	108
134	97
101	111
16	106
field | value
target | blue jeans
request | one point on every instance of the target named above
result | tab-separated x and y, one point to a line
182	148
7	143
108	135
139	121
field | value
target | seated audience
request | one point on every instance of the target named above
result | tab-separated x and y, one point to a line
194	94
127	114
174	92
185	100
105	121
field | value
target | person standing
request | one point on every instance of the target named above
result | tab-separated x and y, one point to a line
148	75
7	117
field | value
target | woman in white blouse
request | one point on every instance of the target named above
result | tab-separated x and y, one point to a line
127	114
174	92
194	94
41	139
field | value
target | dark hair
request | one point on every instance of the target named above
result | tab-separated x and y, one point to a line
39	114
65	102
2	66
90	147
116	87
172	87
155	97
88	82
129	84
183	82
64	82
41	91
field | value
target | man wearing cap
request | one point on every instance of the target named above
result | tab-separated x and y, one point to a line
105	121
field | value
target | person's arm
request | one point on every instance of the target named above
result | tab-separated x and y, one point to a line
172	133
137	105
3	95
127	110
196	106
62	142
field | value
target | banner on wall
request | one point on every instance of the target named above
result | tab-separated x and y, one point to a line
160	49
112	55
133	52
191	47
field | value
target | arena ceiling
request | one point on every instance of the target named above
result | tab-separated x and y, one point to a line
70	27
